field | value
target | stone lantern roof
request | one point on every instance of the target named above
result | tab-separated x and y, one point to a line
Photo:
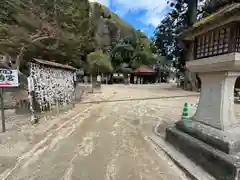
226	15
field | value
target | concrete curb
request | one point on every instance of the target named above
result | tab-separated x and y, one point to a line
192	170
156	128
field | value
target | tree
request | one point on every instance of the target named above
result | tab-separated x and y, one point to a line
182	16
67	31
98	63
192	18
44	29
22	30
211	6
122	54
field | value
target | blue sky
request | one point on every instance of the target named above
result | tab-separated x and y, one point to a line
142	14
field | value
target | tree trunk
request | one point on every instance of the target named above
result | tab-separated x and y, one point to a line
192	12
110	79
198	82
192	17
132	79
193	79
190	77
125	78
94	82
19	57
186	79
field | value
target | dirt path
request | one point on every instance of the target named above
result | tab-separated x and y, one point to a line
106	142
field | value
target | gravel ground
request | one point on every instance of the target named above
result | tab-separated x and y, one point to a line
105	138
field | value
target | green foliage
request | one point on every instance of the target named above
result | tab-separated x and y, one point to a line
143	58
51	30
134	51
211	6
99	63
66	31
126	44
121	53
182	15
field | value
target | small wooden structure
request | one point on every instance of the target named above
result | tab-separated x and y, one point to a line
52	82
145	74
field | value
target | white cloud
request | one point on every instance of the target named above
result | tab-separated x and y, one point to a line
154	9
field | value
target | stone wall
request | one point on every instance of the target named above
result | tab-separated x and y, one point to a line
52	84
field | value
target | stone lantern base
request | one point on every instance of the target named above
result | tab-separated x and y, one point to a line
208	147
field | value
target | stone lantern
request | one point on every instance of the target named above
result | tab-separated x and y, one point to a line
211	138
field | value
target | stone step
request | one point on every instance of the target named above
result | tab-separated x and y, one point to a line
192	171
217	163
226	141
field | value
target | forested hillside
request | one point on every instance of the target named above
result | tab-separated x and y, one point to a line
68	31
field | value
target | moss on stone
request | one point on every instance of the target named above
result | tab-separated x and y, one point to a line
205	20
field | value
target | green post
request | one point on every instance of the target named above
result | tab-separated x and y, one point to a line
185	112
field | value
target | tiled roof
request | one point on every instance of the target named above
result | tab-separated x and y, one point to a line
144	70
54	64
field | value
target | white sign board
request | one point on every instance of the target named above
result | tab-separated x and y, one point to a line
30	84
98	78
74	77
8	78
